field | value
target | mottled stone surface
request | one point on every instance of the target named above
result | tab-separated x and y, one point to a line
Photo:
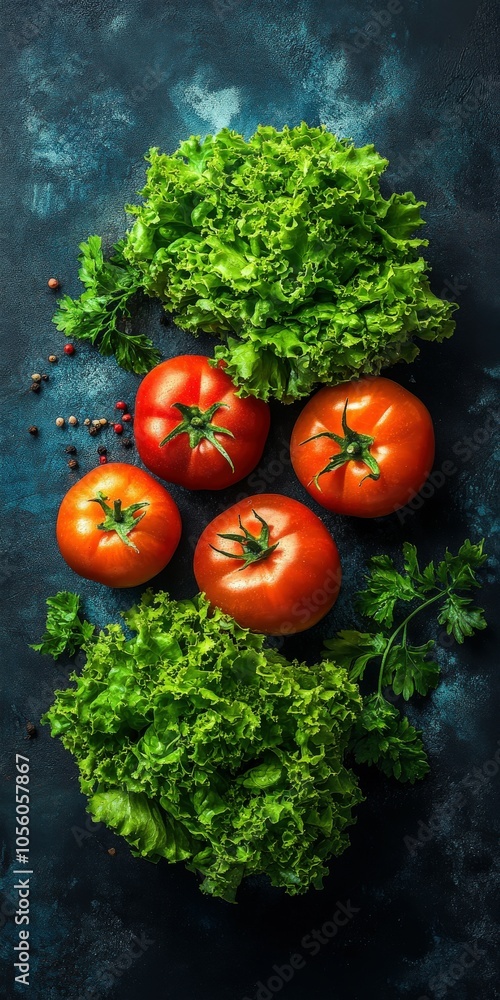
89	87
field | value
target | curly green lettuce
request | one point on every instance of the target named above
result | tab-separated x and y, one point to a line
199	744
285	249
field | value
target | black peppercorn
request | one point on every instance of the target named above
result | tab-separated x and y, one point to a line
93	430
73	464
71	450
33	429
35	387
31	730
127	443
102	450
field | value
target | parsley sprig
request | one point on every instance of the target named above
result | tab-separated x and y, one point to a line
382	736
102	313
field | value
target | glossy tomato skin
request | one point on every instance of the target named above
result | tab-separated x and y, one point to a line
103	556
403	446
286	592
191	380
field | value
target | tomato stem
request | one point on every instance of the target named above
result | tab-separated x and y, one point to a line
254	547
119	520
353	447
197	424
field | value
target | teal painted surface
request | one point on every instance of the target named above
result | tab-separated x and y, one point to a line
88	91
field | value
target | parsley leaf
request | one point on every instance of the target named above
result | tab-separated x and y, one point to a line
384	588
354	650
459	572
403	667
409	670
461	619
65	631
101	314
384	737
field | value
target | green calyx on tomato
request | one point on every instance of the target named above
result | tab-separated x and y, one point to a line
121	521
255	547
197	424
353	447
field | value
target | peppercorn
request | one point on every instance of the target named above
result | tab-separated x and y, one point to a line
69	349
73	464
35	387
71	450
103	422
86	421
102	450
93	430
53	283
52	358
120	405
103	459
60	421
127	443
73	421
112	851
36	377
33	429
31	730
45	378
96	423
127	417
118	428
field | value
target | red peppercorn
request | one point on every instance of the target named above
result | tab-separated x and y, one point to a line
103	459
118	428
69	349
120	405
53	283
126	417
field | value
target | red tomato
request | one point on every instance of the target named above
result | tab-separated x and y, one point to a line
191	428
364	447
270	563
118	526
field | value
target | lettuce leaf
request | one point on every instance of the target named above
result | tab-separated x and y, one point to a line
285	249
197	743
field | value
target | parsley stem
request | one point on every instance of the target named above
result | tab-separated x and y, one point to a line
442	593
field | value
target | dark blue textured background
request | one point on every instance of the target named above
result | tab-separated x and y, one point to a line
88	88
